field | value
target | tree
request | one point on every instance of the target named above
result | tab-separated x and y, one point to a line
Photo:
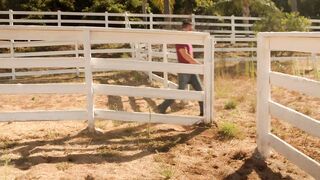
282	22
293	5
164	6
245	7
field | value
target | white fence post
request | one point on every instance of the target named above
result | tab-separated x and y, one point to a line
263	96
151	20
106	18
208	80
88	79
77	55
193	21
233	30
150	59
59	17
127	21
315	65
11	17
13	70
165	60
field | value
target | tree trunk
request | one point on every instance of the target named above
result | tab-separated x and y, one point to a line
144	6
245	8
167	10
144	10
294	5
166	6
246	11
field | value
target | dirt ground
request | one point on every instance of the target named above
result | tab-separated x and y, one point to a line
64	150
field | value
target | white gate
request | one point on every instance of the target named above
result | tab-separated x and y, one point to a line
302	42
88	36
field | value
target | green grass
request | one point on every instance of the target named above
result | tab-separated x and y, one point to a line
228	130
108	152
5	162
6	144
230	104
63	166
167	172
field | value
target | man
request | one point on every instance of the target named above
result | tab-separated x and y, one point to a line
185	55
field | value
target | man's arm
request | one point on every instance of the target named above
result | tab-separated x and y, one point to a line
188	57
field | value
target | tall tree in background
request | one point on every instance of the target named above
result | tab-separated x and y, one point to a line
166	5
245	8
293	5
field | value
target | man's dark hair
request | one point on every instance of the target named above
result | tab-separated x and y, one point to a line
186	23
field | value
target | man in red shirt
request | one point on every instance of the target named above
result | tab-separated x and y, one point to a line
185	55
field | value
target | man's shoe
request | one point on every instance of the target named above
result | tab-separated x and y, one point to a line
161	110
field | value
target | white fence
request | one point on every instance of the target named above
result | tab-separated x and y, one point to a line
266	107
87	37
224	28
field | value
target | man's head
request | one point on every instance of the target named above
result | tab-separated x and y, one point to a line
186	25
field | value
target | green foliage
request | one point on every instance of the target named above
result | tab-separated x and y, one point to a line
281	22
106	5
295	22
204	7
48	5
167	172
308	8
231	104
228	130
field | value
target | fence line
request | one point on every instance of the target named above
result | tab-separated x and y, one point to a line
225	28
88	36
266	107
143	51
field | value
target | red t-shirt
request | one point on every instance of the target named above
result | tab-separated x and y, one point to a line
189	49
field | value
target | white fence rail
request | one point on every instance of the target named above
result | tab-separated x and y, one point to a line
224	28
267	42
86	37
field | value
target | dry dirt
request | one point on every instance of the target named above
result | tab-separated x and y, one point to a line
64	150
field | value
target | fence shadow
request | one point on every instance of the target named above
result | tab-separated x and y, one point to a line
115	146
255	163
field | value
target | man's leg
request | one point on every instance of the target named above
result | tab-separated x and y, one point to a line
183	81
196	84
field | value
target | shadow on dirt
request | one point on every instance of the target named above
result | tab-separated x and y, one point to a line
255	163
115	146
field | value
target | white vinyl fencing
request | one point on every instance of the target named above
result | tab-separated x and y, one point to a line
266	107
224	28
86	38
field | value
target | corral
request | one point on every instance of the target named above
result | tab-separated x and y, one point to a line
160	150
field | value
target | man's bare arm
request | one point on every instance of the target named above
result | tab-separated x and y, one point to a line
188	57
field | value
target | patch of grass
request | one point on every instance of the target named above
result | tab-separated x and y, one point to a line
52	134
253	106
117	123
7	144
306	110
101	124
63	166
228	130
230	104
5	162
108	152
167	172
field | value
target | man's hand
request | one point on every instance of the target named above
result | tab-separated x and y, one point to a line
188	57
